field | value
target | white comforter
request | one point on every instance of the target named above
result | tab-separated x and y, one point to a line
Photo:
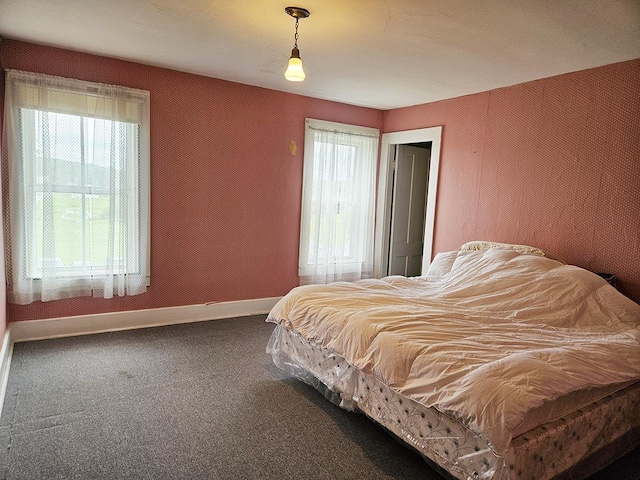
496	335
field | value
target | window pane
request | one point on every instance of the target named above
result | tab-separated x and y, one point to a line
98	230
58	150
105	155
81	233
60	216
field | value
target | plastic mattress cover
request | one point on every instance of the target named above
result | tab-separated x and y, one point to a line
539	454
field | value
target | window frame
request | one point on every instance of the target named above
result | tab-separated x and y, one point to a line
32	188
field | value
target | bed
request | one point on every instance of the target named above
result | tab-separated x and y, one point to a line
499	363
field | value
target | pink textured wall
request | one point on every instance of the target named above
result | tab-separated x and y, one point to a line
553	163
225	190
3	285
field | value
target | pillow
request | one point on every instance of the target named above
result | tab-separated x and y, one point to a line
484	245
441	264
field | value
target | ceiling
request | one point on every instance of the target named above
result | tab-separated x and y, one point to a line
377	53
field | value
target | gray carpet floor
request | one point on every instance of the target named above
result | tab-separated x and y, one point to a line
194	401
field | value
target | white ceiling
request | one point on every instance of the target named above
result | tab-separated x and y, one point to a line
377	53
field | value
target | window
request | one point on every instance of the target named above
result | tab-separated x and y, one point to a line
78	160
337	224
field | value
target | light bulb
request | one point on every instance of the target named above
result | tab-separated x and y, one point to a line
294	72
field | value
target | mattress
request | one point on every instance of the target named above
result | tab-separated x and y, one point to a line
547	451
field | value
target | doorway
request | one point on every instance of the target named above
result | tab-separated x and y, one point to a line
392	143
408	205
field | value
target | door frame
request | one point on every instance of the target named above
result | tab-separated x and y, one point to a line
385	186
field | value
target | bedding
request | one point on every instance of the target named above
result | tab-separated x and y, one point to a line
497	340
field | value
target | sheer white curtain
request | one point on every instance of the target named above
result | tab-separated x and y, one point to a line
338	207
77	155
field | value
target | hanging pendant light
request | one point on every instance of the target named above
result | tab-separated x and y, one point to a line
294	72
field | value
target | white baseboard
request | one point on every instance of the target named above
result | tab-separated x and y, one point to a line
155	317
5	363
